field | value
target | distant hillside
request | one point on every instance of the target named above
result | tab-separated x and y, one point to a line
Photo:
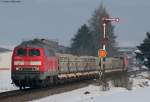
4	50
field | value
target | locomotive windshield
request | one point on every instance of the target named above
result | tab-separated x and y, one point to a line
21	52
34	52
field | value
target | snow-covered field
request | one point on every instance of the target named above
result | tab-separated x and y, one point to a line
140	95
5	81
83	94
5	60
5	75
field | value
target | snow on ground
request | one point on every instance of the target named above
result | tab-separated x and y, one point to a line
80	94
94	93
141	95
140	83
5	75
5	81
5	60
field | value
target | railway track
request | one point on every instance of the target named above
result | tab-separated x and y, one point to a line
32	94
10	93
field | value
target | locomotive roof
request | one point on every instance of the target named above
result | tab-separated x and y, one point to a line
37	43
29	45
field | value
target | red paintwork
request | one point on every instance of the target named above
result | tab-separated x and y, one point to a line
47	63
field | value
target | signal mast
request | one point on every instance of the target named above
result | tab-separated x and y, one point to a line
102	53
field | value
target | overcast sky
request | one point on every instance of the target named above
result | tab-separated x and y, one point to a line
60	19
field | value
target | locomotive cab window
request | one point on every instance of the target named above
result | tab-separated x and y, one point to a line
21	52
34	52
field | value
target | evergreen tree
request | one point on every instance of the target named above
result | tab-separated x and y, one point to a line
97	31
82	42
88	40
145	49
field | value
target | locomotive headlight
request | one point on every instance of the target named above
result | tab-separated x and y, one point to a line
17	68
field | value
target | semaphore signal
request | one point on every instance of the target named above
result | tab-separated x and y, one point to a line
110	19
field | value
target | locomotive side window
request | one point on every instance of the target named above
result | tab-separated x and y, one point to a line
34	52
21	52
